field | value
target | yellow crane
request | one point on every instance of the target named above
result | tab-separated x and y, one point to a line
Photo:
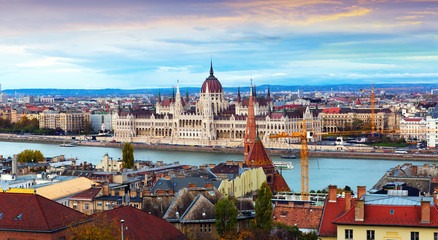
372	100
304	135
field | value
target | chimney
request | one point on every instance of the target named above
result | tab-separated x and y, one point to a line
105	190
425	212
332	193
209	185
359	210
347	200
15	165
211	165
113	193
192	186
435	200
361	190
230	163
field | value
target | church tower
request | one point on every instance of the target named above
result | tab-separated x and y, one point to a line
250	132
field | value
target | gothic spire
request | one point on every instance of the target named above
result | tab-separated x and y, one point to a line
238	94
250	133
211	68
159	96
269	94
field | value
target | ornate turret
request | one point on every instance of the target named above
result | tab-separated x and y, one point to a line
173	95
238	95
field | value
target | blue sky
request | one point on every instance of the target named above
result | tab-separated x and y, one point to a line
145	44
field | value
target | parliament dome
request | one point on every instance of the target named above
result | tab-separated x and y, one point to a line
214	86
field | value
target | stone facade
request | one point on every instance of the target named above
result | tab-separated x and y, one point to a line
213	121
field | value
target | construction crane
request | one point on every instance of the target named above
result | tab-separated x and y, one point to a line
372	101
304	135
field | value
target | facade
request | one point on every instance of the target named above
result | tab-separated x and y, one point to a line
432	128
213	121
67	121
101	122
246	183
340	119
413	129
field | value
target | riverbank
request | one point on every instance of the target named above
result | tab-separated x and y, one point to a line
215	149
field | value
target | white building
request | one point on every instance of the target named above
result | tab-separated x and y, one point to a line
413	129
101	121
212	122
109	165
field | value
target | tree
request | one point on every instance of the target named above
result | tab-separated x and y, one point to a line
128	155
30	156
225	212
99	228
263	208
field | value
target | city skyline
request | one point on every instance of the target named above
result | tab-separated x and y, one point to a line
145	44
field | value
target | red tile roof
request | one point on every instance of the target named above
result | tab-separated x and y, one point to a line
31	212
331	110
258	157
331	211
303	217
380	215
141	225
88	194
413	119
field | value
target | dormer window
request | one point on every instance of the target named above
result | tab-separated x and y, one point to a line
19	217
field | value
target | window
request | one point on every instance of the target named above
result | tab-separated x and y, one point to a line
435	236
391	211
99	204
370	235
415	236
348	233
87	206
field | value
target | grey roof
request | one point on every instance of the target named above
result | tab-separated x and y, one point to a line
435	112
179	183
383	199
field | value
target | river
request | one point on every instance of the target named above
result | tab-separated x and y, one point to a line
322	171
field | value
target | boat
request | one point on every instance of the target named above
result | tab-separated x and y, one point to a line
67	145
289	156
283	165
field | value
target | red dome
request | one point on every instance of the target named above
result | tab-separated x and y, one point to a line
214	86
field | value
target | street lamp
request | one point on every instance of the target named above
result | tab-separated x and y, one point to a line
121	223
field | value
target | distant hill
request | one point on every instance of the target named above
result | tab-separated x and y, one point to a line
112	92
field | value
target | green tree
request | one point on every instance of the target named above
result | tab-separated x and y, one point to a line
128	155
30	156
263	208
225	212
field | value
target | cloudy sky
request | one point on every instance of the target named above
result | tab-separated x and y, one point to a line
149	44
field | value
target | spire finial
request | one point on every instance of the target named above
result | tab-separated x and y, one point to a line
211	67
